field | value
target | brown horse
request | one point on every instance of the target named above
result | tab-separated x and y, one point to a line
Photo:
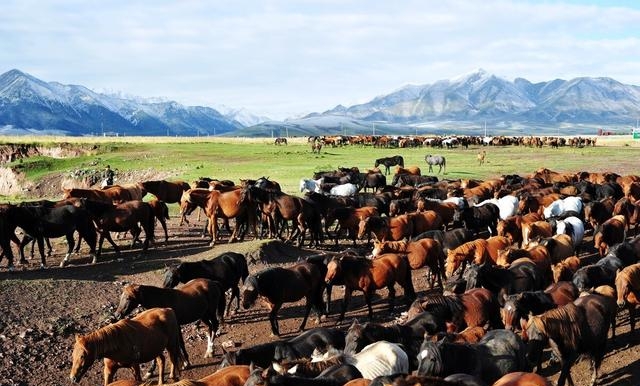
386	228
537	229
565	269
511	227
612	231
597	212
628	290
424	252
369	275
161	213
348	219
538	254
122	218
114	194
630	211
415	170
128	343
425	221
536	204
199	299
446	210
169	192
472	251
235	375
481	157
522	379
474	308
284	285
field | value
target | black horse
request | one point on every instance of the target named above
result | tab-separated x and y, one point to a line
478	218
227	269
40	222
282	285
522	275
604	271
390	161
498	353
448	239
300	346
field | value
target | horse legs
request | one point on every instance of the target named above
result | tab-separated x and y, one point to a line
328	299
307	310
392	296
367	299
107	235
345	302
273	319
160	361
71	243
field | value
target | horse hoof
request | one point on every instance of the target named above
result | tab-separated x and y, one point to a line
63	263
11	268
208	354
94	260
42	266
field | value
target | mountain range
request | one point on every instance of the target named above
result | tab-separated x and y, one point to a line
462	104
30	105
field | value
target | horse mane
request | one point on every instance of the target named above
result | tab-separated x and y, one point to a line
105	339
307	367
453	303
563	323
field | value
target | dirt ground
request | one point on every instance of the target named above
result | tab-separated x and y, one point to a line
42	310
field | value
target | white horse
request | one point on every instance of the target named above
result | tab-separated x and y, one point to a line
344	190
309	185
573	227
559	207
508	205
459	201
375	360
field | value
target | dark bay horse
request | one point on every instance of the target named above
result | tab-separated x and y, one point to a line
128	343
390	161
40	222
368	275
161	213
499	352
228	269
283	285
522	275
199	299
169	192
122	218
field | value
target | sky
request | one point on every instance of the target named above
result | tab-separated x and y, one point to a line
288	58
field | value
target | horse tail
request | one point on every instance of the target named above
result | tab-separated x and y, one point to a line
409	291
165	210
150	223
444	165
245	270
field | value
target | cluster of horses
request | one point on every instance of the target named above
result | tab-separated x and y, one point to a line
513	270
387	141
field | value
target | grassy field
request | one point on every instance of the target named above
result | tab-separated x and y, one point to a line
229	158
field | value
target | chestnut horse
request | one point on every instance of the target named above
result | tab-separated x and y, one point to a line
199	299
368	275
419	253
628	290
228	376
474	251
386	228
564	270
169	192
522	379
612	231
114	194
511	227
128	343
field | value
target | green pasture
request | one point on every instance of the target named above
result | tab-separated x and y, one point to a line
235	159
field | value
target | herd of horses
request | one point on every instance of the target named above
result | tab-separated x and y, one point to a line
509	273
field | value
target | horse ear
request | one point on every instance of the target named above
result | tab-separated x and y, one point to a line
504	297
265	373
224	351
293	370
279	369
523	324
355	322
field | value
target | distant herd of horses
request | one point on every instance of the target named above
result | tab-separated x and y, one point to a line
509	272
387	141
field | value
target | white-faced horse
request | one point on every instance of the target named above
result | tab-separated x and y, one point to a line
309	185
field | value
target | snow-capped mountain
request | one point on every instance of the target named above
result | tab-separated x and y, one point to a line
480	95
241	115
32	105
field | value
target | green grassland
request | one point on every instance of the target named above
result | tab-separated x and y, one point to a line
228	158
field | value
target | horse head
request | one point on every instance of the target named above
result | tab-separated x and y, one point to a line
82	358
510	312
129	299
171	277
334	269
249	292
429	358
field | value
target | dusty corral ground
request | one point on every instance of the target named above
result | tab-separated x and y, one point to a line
42	310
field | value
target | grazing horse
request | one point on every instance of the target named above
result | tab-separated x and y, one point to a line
424	252
386	228
280	141
389	161
169	192
536	302
564	270
199	299
348	219
368	275
535	230
283	285
498	353
227	269
570	334
122	218
628	290
474	251
437	160
477	307
114	194
40	222
128	343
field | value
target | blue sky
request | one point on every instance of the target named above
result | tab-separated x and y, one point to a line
286	58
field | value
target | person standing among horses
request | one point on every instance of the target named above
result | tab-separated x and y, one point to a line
107	176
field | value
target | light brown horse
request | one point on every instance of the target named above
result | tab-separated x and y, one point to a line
369	275
386	228
415	170
628	290
446	210
425	221
522	379
199	299
537	203
538	254
169	192
511	227
235	375
534	230
424	252
565	269
128	343
114	194
612	231
481	156
470	252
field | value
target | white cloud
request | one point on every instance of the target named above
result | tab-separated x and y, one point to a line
282	58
